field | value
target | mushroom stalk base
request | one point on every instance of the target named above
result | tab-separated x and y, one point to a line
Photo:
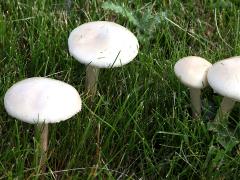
98	152
195	95
226	107
91	81
43	129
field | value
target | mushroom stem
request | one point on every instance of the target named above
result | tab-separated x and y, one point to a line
91	89
43	128
91	81
68	4
195	95
225	108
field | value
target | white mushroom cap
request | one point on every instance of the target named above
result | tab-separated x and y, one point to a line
103	44
224	77
38	99
192	71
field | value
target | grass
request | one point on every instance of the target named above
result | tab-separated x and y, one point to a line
147	129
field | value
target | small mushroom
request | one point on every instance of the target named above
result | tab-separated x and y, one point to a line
41	101
101	44
192	72
224	78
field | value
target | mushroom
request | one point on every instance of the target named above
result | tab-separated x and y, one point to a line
192	72
101	44
41	101
224	78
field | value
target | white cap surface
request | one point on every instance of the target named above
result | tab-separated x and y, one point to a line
103	44
192	71
38	99
224	77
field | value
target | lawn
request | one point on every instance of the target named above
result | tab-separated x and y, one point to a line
147	131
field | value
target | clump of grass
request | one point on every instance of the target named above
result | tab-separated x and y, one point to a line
145	20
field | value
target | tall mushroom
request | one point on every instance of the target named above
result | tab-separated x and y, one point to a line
224	78
41	101
192	72
101	44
